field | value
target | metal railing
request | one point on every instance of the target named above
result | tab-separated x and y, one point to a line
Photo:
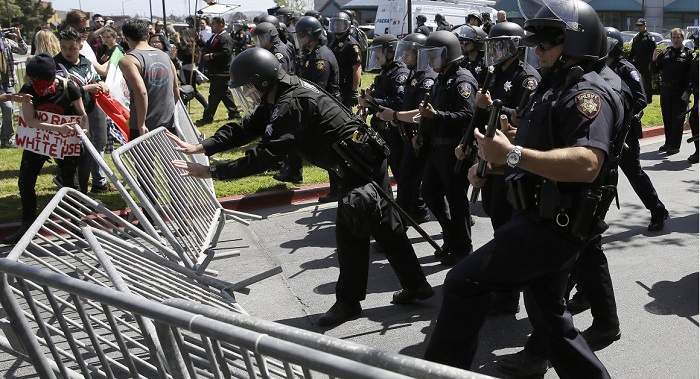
188	132
185	210
190	341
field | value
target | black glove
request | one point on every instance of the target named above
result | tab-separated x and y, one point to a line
354	95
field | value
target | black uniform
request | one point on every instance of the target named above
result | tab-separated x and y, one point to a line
241	41
306	120
412	165
321	67
452	97
674	65
422	29
629	160
643	46
477	67
509	86
286	57
532	250
388	92
443	25
221	48
693	88
347	54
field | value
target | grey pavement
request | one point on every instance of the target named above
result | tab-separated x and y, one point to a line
655	277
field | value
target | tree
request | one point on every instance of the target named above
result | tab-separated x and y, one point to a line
297	5
25	14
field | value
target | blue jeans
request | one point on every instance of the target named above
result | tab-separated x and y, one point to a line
7	131
98	137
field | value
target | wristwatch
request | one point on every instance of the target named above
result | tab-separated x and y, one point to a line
212	171
513	156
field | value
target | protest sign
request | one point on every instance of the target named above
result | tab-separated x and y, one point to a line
48	142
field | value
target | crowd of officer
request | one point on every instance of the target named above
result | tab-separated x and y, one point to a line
450	109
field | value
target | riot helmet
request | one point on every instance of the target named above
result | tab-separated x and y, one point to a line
271	19
439	18
573	23
378	52
615	42
284	14
474	34
350	13
307	30
253	73
502	43
441	48
339	23
475	16
313	13
421	18
407	49
264	34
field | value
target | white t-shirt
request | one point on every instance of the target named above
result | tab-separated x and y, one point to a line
205	34
86	51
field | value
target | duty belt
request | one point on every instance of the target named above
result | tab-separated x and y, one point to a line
438	141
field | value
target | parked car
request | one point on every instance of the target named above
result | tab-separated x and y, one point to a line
667	42
627	36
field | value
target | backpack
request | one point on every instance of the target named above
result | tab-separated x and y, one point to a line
361	38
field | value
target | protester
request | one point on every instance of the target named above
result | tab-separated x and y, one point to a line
45	41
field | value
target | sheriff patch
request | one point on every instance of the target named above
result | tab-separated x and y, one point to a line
588	103
428	83
635	75
465	90
320	65
530	83
279	56
401	78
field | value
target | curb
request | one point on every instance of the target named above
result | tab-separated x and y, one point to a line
280	197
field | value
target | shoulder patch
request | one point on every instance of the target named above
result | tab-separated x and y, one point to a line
465	90
401	78
530	83
635	75
588	103
428	83
279	56
320	64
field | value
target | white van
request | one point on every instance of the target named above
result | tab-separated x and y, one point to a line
393	16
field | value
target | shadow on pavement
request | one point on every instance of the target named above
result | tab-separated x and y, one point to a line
678	298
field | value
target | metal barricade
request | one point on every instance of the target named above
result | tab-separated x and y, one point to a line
189	344
188	132
187	213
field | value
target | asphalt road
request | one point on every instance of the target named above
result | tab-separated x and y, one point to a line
655	277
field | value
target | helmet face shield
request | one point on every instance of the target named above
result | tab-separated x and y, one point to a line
564	10
338	25
262	40
500	49
247	98
377	56
407	52
431	57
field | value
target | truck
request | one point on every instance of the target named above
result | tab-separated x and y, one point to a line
398	17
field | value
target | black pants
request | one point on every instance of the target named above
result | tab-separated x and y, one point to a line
440	182
526	251
693	121
495	201
591	276
646	81
191	80
29	170
671	108
641	184
363	213
407	168
218	92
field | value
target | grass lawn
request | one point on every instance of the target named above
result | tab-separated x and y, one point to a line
10	209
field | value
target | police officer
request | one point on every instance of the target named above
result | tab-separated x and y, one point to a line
321	68
347	52
266	35
217	55
422	28
241	37
674	65
512	80
411	165
441	22
560	146
486	16
387	91
297	115
283	34
471	39
643	46
474	19
449	111
693	88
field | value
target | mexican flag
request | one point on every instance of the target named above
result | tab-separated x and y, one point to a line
116	104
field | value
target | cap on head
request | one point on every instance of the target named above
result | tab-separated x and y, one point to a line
641	21
42	66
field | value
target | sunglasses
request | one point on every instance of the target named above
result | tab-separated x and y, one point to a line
84	30
548	45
